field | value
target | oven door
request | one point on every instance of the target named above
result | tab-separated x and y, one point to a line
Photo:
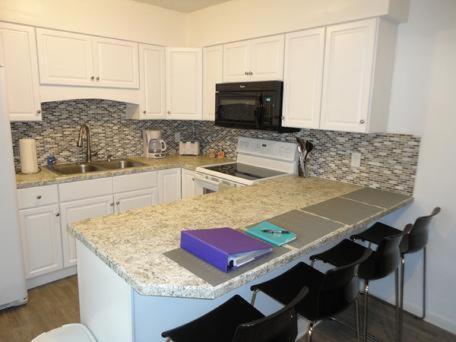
204	186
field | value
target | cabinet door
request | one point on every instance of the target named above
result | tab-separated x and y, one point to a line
116	63
65	58
77	211
41	241
212	74
18	56
236	62
152	82
135	199
188	184
347	77
304	54
169	185
184	83
266	58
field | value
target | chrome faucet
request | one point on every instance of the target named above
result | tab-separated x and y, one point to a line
84	131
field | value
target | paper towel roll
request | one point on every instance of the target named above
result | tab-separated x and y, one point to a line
29	161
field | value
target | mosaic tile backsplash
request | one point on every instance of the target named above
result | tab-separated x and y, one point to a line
388	161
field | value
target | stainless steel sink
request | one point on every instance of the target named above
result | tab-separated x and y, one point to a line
117	164
102	165
71	169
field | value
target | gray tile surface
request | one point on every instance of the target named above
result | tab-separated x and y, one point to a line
307	227
343	210
380	198
211	274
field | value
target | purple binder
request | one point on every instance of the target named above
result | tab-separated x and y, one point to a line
224	248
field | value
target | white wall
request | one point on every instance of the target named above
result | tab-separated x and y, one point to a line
424	102
242	19
124	19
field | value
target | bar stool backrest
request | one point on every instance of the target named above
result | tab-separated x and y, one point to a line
339	288
417	235
281	326
384	260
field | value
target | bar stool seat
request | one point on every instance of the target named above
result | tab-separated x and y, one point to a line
341	254
376	233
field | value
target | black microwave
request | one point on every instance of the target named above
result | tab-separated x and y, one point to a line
252	105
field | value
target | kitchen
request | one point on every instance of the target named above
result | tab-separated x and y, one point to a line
359	100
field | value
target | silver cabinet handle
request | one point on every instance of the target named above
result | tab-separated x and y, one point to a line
39	197
362	121
144	112
118	202
57	215
111	204
98	78
92	78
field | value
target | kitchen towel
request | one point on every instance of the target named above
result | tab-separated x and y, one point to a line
29	161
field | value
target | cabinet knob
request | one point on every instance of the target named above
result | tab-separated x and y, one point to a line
118	202
92	78
250	73
58	214
98	78
111	204
362	121
144	112
38	111
169	112
283	118
38	197
246	72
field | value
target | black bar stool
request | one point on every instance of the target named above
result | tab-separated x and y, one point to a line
329	293
238	321
382	262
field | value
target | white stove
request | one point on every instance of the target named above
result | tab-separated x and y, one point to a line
257	160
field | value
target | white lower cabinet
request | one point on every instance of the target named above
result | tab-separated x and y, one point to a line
41	246
169	185
188	184
135	199
77	211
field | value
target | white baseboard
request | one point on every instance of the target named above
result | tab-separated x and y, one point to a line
50	277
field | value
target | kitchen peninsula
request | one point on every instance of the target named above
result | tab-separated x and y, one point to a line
132	288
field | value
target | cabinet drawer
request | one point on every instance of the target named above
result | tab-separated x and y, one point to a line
137	181
37	196
85	189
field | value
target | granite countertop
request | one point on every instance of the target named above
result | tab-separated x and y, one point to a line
47	177
133	243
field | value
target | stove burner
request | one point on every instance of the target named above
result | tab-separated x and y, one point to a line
244	171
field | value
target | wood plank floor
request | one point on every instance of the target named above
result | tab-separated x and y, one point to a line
55	304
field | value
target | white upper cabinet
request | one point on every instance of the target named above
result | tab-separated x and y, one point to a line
357	77
65	58
81	60
303	74
254	60
184	83
116	63
18	56
152	82
236	61
212	74
266	58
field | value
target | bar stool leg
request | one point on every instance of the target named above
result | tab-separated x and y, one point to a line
254	294
401	303
357	319
424	284
366	302
310	331
398	308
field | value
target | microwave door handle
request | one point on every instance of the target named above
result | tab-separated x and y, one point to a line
259	114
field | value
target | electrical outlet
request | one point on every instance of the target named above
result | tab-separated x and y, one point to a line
177	137
355	160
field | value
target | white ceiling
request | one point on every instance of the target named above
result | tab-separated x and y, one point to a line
183	5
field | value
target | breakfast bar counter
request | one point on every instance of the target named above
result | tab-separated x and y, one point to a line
124	259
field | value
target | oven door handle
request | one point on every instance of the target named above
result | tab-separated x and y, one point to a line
206	181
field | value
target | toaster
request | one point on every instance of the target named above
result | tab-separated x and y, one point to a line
190	148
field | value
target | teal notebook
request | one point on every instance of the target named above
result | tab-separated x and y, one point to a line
271	233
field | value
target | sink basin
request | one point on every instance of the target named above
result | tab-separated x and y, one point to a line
77	168
71	169
118	164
